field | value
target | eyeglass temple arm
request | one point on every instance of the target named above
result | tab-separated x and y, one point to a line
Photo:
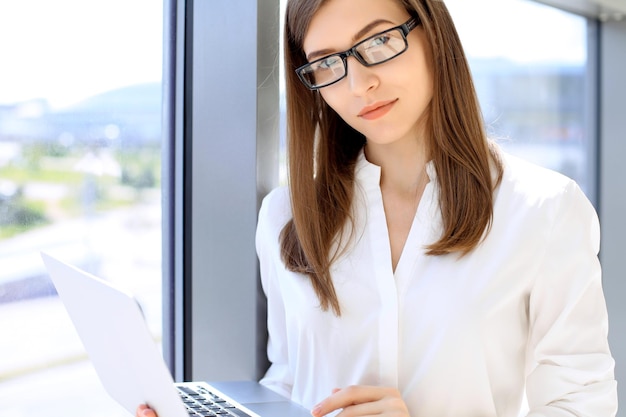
411	24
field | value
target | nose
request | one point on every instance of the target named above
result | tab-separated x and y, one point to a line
361	79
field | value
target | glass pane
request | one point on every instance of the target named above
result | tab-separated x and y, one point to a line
531	70
80	141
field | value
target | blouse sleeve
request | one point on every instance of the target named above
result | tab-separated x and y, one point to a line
271	218
571	367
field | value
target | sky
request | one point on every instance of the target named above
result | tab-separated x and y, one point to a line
67	50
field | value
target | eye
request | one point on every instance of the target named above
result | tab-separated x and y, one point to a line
328	62
379	40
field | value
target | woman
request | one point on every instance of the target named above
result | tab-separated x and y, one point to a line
412	268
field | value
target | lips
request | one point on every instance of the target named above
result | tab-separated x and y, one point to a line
376	110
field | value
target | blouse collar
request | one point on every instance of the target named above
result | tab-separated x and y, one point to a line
366	171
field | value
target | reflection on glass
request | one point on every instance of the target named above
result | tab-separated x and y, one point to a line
532	81
80	140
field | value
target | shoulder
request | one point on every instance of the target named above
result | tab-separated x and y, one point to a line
529	191
275	212
531	179
531	185
277	203
541	215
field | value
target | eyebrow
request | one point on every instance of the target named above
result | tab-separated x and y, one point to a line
366	29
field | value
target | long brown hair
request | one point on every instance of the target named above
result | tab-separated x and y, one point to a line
323	149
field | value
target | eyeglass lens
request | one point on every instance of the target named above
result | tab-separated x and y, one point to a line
371	51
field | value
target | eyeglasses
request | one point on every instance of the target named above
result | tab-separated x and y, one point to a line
374	50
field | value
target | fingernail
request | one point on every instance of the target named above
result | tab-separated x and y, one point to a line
315	412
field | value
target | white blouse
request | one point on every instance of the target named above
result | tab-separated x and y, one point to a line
517	327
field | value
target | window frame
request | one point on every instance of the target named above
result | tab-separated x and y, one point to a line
220	159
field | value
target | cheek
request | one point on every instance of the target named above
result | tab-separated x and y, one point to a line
333	99
329	98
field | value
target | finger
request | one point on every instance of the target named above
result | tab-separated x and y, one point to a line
145	411
362	410
388	402
343	398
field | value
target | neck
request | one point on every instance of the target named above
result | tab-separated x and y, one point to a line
403	165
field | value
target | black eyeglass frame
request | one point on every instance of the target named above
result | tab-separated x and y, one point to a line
405	28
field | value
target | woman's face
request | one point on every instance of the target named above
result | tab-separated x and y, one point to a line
386	102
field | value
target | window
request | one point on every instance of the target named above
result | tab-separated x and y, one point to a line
79	160
534	81
80	145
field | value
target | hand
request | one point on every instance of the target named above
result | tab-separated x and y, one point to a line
145	411
360	400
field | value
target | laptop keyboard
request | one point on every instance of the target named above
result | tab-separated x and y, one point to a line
202	403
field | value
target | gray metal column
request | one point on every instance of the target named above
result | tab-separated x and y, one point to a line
233	115
613	189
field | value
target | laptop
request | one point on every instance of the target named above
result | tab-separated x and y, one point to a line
129	365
